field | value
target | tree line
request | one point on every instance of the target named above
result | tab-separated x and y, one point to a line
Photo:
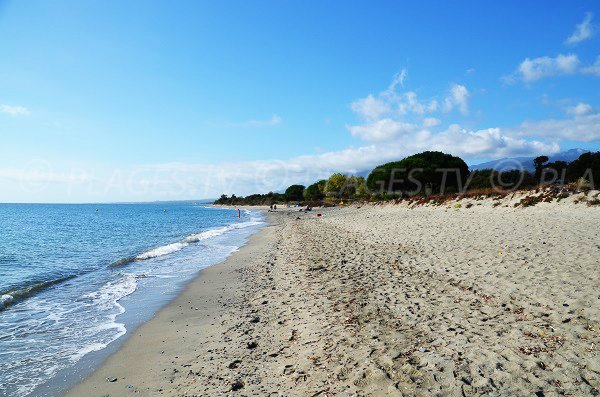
425	174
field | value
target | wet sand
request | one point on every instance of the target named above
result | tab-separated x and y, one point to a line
383	301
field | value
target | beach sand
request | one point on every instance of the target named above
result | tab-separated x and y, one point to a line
383	301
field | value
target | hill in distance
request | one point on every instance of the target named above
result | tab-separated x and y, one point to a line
526	163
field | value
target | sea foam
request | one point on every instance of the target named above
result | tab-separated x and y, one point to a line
194	238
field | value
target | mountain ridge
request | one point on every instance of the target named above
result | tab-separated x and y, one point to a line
526	163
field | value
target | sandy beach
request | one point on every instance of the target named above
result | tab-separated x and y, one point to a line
383	301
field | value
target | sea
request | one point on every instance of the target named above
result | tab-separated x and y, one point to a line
75	280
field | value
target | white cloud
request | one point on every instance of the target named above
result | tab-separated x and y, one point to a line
531	70
398	80
592	69
581	128
370	107
400	124
409	103
14	110
381	130
491	143
431	122
390	103
583	31
579	110
459	98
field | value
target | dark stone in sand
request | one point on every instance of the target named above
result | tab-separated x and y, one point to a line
237	385
252	345
111	380
234	364
255	320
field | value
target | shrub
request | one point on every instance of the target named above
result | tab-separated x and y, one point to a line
528	201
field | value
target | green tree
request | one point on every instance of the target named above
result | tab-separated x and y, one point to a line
538	163
294	193
587	166
553	172
352	187
435	171
316	191
361	190
335	185
489	178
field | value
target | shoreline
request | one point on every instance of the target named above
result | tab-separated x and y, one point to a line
382	301
199	302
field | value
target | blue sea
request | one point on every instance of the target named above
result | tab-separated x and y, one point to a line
75	279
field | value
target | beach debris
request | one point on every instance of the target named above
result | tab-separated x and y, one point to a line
523	317
302	377
549	343
485	297
111	380
535	349
234	364
591	348
252	345
237	385
255	320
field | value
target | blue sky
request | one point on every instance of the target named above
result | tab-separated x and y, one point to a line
143	100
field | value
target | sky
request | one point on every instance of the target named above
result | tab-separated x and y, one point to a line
104	101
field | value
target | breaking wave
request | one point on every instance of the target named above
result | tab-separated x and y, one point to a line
9	297
191	239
